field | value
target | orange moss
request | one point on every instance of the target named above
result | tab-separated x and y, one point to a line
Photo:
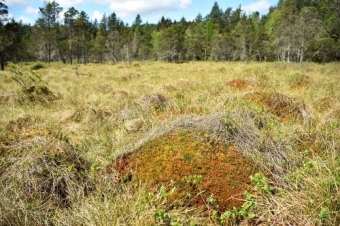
178	157
278	104
310	144
241	84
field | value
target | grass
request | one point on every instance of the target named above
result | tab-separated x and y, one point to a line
199	143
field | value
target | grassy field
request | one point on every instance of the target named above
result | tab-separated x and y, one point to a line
199	143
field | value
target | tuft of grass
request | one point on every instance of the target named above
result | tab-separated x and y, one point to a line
32	86
43	171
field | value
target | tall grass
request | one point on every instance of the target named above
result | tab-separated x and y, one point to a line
57	155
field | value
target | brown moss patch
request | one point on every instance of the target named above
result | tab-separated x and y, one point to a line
325	103
84	114
279	104
154	100
4	97
301	81
119	94
310	144
128	77
333	117
180	158
241	84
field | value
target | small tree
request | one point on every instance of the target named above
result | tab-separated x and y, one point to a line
48	22
4	40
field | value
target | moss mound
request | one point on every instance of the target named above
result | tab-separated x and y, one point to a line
325	103
241	84
39	93
154	100
301	81
40	172
281	105
195	166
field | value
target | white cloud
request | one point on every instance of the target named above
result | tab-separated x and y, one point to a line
31	10
261	6
97	15
16	2
68	3
125	8
25	19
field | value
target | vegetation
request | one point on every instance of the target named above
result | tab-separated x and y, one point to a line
293	30
137	141
151	143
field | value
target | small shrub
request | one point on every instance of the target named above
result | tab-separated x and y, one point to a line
37	66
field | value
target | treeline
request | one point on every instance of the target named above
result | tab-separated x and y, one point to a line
294	30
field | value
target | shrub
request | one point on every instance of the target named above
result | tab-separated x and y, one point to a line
38	66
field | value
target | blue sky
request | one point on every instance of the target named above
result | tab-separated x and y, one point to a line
150	10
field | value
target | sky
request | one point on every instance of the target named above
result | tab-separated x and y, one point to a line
150	11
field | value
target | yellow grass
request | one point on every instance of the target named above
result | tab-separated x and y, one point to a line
282	117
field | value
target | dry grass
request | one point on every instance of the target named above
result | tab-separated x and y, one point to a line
61	145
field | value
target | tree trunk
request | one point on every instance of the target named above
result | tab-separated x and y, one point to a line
2	61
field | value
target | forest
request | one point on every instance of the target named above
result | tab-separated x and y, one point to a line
292	31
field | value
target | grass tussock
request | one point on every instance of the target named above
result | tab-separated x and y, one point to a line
42	170
199	143
281	105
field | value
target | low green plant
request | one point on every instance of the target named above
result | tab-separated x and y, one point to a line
246	212
261	184
37	66
193	180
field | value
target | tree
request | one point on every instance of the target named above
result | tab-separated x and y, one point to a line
48	23
168	44
99	47
82	28
69	19
3	12
138	21
193	42
113	45
308	33
4	39
243	34
330	11
215	16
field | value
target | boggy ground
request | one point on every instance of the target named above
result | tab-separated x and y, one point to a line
198	143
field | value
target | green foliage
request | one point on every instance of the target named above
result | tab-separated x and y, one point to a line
246	212
261	183
37	66
193	180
